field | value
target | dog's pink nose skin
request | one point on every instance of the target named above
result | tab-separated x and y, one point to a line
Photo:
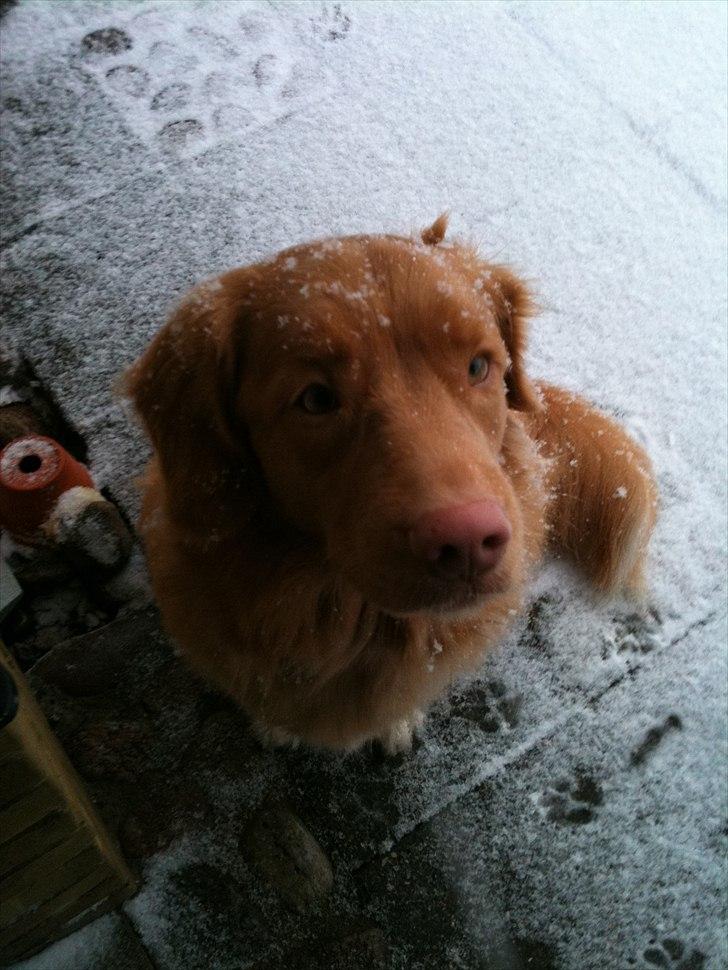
463	541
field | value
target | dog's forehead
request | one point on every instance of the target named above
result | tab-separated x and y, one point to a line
337	295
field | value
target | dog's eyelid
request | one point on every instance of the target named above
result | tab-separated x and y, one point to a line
496	357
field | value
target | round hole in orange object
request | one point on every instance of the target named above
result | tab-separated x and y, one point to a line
29	464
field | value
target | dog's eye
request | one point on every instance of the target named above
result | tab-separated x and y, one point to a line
478	369
318	399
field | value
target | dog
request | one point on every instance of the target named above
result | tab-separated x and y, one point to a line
354	477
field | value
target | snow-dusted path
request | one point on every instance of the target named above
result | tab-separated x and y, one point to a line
585	143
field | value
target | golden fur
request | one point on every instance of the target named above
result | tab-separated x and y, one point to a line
276	537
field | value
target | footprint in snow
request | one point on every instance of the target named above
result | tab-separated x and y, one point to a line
540	621
333	23
105	42
652	739
669	954
572	801
633	635
492	706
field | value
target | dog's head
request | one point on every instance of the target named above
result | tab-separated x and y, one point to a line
358	391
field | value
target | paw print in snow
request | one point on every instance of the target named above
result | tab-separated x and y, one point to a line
669	954
540	621
652	739
572	802
491	706
333	23
633	635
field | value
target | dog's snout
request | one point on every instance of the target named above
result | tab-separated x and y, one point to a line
462	541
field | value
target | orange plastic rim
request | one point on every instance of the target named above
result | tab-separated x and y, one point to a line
34	473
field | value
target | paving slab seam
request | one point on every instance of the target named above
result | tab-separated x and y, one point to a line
168	171
64	209
648	664
490	770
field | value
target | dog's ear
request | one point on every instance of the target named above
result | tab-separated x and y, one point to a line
434	234
513	307
184	387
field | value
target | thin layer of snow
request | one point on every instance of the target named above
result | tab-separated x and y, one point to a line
85	948
585	145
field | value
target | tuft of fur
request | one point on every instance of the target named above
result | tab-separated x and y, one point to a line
603	498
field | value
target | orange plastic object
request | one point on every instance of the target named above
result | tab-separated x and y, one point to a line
34	473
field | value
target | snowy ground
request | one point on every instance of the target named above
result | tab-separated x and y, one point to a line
570	807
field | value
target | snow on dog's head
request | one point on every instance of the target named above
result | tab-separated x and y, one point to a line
361	391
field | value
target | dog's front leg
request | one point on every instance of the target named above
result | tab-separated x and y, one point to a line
397	739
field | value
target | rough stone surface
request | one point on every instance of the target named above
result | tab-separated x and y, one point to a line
97	542
100	662
288	856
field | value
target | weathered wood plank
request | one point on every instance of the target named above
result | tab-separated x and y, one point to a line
17	776
60	916
27	811
47	875
34	841
57	861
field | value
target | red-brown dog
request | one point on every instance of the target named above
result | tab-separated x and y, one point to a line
354	477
